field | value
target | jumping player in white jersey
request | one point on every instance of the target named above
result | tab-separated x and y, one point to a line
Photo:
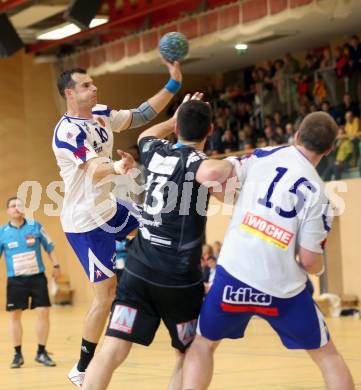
91	218
281	214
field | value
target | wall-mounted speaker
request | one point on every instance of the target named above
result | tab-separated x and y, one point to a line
10	42
81	12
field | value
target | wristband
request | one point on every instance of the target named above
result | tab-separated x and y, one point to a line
173	86
56	266
118	167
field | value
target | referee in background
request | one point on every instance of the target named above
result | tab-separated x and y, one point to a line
21	241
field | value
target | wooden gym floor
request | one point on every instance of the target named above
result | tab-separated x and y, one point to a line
259	362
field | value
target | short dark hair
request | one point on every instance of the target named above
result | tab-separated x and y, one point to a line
10	200
317	132
194	119
65	80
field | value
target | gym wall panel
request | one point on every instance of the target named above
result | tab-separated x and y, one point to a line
350	241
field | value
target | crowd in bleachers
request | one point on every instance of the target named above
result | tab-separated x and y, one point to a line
276	97
209	258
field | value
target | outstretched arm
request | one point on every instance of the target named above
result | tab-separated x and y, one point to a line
212	173
147	111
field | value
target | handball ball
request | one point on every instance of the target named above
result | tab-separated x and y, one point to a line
173	46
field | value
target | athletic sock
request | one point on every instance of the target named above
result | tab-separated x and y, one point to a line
86	354
18	349
41	348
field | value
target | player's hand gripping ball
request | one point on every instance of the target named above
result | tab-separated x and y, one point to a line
173	46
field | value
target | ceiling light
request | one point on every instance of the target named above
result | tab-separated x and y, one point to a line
97	22
241	46
66	30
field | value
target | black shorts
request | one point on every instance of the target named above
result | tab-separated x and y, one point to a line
21	288
139	307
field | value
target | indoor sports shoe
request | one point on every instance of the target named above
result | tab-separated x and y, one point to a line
18	361
75	376
45	359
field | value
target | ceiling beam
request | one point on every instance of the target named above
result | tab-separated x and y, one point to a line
12	4
133	14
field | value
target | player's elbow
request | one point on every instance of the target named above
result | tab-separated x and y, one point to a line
211	177
311	262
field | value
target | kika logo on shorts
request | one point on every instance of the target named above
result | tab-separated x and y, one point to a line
123	318
187	331
245	296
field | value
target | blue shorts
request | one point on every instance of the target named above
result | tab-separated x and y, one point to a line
96	249
230	304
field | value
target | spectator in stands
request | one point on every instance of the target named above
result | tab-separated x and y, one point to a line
326	107
229	141
291	68
327	69
262	142
302	112
241	140
269	136
313	107
212	265
215	144
319	90
231	121
355	54
344	156
307	74
303	88
354	47
353	130
217	246
270	70
347	105
352	126
207	253
290	133
280	136
280	83
242	114
248	147
279	120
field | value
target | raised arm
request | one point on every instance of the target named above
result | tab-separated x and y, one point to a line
147	111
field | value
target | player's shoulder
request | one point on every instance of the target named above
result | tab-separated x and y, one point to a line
3	228
146	144
194	156
269	151
33	225
101	110
68	131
